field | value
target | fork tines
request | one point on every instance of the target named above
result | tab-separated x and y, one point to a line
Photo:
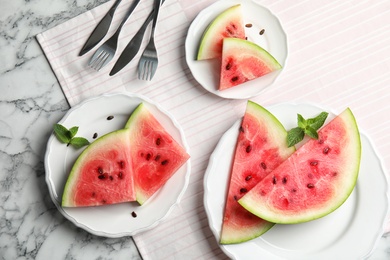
147	68
99	61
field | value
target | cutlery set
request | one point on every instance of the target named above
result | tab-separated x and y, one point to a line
148	63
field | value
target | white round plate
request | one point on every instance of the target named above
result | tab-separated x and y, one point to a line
112	220
274	40
350	232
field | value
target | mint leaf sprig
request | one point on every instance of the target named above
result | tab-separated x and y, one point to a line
69	136
306	126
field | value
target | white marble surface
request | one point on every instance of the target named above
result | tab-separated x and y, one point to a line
31	101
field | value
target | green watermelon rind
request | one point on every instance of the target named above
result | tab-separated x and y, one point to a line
257	50
84	156
252	61
213	28
260	111
141	109
280	135
355	149
140	197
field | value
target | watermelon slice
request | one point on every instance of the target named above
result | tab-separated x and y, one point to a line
227	24
156	156
261	146
315	180
102	174
243	61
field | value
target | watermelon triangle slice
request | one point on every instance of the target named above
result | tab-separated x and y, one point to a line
155	154
102	174
229	23
315	180
243	61
261	147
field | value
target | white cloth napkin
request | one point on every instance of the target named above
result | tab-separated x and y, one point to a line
338	57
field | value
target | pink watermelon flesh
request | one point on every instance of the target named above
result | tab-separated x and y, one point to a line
102	174
315	180
227	24
156	156
260	148
243	61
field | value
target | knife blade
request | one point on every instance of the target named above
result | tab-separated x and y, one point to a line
100	30
132	47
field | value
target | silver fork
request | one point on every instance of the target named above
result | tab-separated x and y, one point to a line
148	62
106	52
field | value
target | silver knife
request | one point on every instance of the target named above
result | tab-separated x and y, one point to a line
133	46
100	30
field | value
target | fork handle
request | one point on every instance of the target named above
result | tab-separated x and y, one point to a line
157	4
113	8
127	15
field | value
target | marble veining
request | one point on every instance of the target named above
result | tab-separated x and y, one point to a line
31	101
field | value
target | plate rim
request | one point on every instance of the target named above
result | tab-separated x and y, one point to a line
190	60
386	213
183	141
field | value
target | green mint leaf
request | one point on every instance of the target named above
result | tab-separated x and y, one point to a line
62	133
301	122
73	131
317	121
311	132
294	136
79	142
306	126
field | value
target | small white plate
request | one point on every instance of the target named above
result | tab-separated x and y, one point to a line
112	220
274	40
350	232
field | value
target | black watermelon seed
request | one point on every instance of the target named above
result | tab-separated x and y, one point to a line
110	117
228	66
248	149
95	135
263	165
262	32
241	129
235	197
326	150
133	214
284	180
122	164
158	141
274	180
243	190
314	163
101	177
310	185
234	78
164	162
100	170
148	156
248	178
